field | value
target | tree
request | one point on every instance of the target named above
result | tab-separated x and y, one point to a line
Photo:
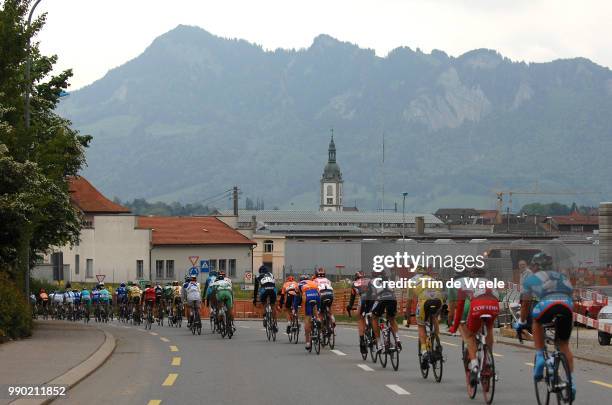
38	161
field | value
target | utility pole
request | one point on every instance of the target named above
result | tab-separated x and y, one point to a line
235	198
404	194
27	127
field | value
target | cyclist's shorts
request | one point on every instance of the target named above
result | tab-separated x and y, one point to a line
426	308
312	300
327	298
297	301
225	296
264	294
479	307
178	300
136	300
466	311
365	306
197	304
289	299
382	306
545	311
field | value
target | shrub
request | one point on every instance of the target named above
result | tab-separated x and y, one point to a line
15	312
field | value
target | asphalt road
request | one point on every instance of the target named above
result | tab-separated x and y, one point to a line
172	366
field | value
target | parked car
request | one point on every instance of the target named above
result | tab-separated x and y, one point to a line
604	317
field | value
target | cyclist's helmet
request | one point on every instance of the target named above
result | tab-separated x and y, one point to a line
102	285
420	270
358	275
476	271
42	290
187	279
193	278
320	272
304	277
263	269
148	285
290	278
543	260
122	284
175	283
221	274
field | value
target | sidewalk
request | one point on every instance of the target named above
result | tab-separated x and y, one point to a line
54	348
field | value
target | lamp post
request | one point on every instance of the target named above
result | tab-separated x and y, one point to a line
404	194
27	127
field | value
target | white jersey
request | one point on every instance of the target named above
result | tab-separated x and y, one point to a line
193	292
69	297
58	298
225	284
323	284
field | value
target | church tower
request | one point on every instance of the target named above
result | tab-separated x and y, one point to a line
331	181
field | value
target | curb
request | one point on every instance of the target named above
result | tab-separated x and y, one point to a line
78	373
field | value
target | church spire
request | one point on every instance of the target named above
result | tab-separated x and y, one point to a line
332	149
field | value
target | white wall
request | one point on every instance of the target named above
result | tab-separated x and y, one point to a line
114	244
180	255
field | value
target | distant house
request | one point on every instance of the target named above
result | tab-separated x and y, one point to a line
457	216
574	222
486	217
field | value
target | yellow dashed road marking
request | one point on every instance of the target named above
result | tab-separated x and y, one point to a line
176	361
174	349
163	339
169	381
154	402
603	384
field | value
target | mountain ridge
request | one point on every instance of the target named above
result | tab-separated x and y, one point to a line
192	96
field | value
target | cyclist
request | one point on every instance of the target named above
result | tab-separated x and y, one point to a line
122	293
58	302
44	299
148	299
554	293
384	301
168	296
77	301
309	294
105	298
224	294
326	294
429	303
86	299
212	276
69	299
194	298
134	294
159	292
177	296
473	301
265	289
360	288
287	295
95	299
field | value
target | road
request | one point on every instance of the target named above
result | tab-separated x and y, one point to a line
171	366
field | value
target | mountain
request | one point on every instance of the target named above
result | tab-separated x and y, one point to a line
195	114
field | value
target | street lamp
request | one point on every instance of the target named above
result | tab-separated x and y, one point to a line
27	127
404	194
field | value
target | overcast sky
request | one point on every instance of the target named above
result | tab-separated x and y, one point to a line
93	36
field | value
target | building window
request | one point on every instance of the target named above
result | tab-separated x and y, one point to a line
232	268
89	268
139	269
330	201
330	190
222	265
159	269
212	264
268	246
169	268
77	264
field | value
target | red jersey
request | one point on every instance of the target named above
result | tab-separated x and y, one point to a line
149	294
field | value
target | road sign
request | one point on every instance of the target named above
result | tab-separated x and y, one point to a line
100	277
194	260
248	277
204	266
194	272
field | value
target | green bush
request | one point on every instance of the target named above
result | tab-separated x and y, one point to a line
15	313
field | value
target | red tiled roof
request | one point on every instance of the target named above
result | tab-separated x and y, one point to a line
487	213
192	231
576	219
89	200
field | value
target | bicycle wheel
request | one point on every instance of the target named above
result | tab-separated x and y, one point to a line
393	350
268	325
382	356
471	389
332	338
212	322
437	363
317	344
371	345
562	380
487	375
424	371
296	331
229	328
222	325
541	387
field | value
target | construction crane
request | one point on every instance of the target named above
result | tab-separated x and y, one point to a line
500	198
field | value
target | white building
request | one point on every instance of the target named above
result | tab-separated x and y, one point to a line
331	182
121	246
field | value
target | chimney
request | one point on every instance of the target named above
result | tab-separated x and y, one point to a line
420	225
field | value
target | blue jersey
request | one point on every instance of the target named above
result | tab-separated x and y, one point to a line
77	297
95	295
85	296
548	285
121	292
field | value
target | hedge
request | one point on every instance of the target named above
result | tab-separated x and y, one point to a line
15	313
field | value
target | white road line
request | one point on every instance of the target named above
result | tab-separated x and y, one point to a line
449	343
529	364
153	333
163	339
338	352
264	329
409	336
365	367
397	389
497	355
245	327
